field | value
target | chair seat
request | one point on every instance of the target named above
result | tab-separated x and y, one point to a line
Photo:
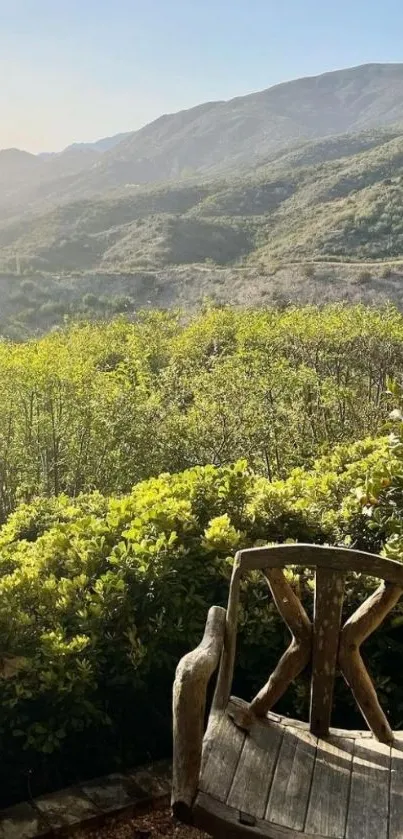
279	781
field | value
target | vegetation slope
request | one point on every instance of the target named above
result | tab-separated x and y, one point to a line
125	492
338	199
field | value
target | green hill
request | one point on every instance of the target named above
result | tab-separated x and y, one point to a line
214	138
345	207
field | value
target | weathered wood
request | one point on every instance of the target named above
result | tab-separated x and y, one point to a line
329	594
362	623
368	810
328	801
224	822
254	773
320	779
223	745
396	792
289	794
235	704
226	671
189	700
278	781
298	654
312	556
239	711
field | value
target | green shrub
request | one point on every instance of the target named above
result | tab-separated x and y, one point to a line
276	387
101	597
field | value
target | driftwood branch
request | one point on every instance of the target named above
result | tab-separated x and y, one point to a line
295	658
226	671
189	701
362	623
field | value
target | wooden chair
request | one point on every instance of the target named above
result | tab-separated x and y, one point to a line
254	773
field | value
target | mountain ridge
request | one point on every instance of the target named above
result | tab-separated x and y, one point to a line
253	180
213	138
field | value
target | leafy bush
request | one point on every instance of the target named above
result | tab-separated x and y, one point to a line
102	591
100	597
278	388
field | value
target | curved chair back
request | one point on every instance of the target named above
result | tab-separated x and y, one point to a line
325	642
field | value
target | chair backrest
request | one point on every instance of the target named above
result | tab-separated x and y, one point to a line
324	643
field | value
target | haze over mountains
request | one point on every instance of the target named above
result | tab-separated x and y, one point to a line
307	170
212	138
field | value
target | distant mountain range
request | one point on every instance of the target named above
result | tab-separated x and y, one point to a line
102	145
305	169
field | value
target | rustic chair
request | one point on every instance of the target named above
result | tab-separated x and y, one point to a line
254	773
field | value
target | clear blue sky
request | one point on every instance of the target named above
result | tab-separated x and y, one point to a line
74	70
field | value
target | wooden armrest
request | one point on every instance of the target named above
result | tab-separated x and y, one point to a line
189	703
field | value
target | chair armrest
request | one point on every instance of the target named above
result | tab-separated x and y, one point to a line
189	703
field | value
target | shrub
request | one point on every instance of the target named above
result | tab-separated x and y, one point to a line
100	597
308	271
364	276
277	386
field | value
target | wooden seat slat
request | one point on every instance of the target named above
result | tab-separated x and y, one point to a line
396	792
327	811
224	742
253	777
368	808
291	786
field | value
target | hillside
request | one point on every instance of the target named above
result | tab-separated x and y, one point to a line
218	136
214	138
318	220
345	207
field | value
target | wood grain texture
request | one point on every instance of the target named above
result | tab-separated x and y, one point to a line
328	804
396	792
329	594
320	788
252	780
362	623
346	733
189	702
224	822
369	794
226	671
223	745
312	556
292	780
239	711
298	654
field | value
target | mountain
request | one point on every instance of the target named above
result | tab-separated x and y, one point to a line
218	136
15	166
334	199
320	222
290	194
105	144
215	138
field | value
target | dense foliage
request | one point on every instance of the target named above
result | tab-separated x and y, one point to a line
135	459
100	596
106	406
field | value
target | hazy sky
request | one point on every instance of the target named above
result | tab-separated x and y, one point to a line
74	70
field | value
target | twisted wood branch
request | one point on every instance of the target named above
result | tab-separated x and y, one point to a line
189	702
357	629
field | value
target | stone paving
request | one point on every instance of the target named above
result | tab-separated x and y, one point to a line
88	803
